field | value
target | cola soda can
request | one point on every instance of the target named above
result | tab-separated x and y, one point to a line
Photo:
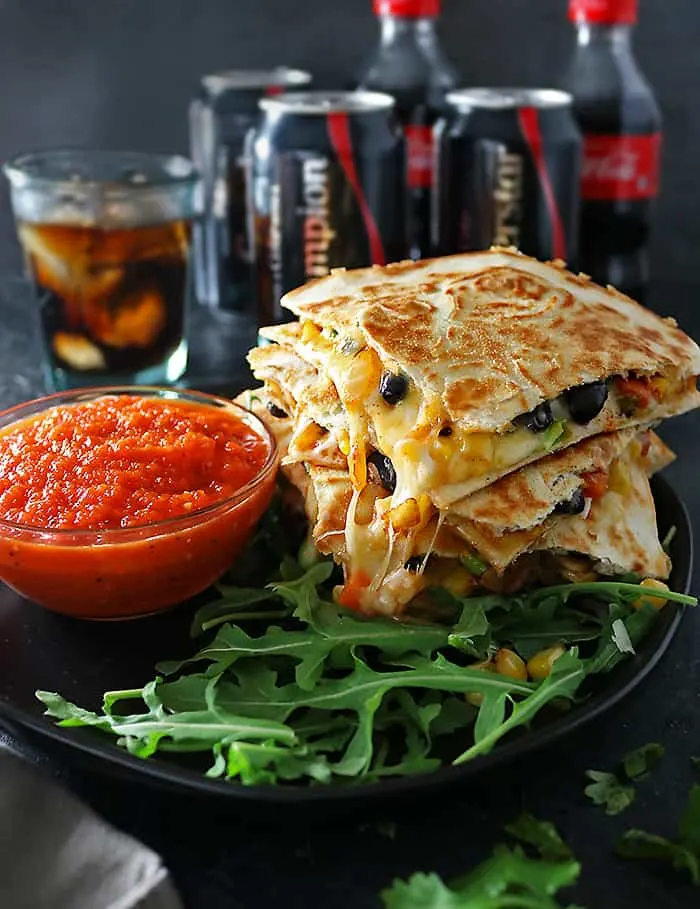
328	191
508	165
222	113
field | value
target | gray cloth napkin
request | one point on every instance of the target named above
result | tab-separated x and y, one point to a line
55	853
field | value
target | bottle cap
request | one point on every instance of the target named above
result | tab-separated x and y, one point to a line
604	12
411	9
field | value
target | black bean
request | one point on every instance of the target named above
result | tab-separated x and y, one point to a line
585	402
393	387
276	411
414	563
575	505
385	469
536	420
445	431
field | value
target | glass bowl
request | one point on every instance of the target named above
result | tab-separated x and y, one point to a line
135	571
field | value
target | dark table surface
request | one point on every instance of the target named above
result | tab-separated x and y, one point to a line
228	857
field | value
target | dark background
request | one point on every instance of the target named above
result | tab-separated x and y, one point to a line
119	73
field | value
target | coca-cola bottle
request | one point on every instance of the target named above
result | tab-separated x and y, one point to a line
621	126
410	65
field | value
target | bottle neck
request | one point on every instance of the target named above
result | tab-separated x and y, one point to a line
419	30
617	39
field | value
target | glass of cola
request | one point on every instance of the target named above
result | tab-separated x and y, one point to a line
106	239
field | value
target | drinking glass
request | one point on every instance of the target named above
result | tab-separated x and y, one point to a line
106	238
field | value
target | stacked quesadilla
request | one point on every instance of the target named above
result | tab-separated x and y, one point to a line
475	421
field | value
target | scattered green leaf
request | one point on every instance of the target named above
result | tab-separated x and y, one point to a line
683	852
639	763
607	790
508	879
542	835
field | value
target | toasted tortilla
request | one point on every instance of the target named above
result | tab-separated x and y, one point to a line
508	518
482	338
620	533
493	334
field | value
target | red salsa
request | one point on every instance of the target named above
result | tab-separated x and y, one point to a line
123	461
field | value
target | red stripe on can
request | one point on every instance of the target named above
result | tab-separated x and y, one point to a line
530	128
339	134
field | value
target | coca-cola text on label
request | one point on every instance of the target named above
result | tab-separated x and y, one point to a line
621	167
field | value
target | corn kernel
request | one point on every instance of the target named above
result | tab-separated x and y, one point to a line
540	665
309	332
406	515
655	601
476	698
425	508
619	480
344	442
308	437
662	385
459	582
508	663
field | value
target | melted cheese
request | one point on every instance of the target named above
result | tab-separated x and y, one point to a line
407	432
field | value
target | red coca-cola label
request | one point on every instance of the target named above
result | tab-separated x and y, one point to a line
620	167
419	141
604	12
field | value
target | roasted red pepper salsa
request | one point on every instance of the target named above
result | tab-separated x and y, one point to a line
108	468
123	461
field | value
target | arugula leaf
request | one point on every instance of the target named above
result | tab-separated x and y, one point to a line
543	835
639	763
328	695
607	790
508	879
681	853
567	674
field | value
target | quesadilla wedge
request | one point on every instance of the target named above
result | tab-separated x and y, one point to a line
509	517
462	369
520	530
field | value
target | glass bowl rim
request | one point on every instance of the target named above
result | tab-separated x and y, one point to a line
114	535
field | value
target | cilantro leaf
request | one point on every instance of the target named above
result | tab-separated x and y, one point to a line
689	828
638	844
681	853
607	790
639	763
509	878
543	835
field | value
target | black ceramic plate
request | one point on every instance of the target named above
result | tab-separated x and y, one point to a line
81	660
